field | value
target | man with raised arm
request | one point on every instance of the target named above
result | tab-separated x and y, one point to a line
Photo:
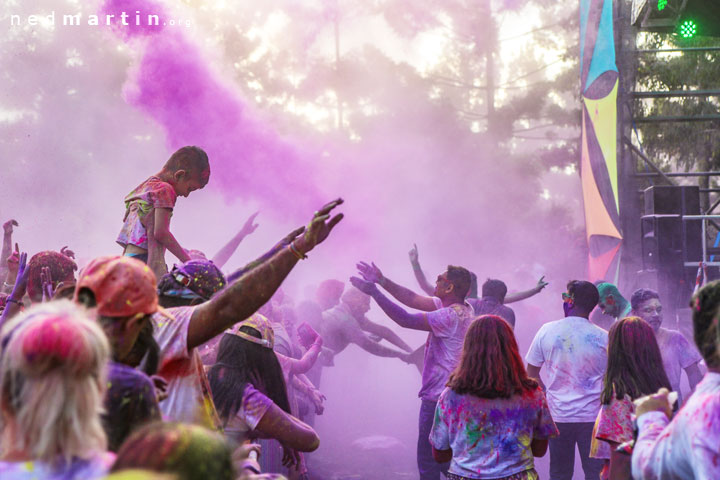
446	318
179	331
427	288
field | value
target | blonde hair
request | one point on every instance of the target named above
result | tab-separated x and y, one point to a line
52	382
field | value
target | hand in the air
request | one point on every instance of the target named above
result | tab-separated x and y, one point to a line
413	254
363	285
370	273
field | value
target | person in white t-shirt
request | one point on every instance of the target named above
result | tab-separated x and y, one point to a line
688	447
574	353
446	317
677	353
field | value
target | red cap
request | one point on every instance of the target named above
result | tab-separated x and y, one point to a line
123	286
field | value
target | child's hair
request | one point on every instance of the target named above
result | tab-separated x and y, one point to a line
490	365
189	451
52	379
635	366
191	158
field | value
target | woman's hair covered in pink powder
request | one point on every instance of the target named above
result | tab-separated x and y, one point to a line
52	382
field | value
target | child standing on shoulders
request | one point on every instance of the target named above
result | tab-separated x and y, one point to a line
145	234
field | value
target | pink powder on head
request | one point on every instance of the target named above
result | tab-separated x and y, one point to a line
54	342
137	17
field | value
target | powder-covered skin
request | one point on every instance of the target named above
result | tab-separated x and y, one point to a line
574	353
490	438
688	447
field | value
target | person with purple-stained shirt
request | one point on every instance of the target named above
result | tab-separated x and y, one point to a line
491	419
677	353
574	353
446	318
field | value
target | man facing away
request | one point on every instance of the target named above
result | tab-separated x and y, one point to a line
574	353
446	317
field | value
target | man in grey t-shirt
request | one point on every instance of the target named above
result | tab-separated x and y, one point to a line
446	318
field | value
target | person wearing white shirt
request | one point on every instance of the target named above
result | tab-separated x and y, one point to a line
574	353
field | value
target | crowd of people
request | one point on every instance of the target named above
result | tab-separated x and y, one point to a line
127	369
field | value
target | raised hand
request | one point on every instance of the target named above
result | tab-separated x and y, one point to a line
363	285
249	226
413	254
370	273
292	236
67	252
541	284
47	284
307	335
21	278
13	261
320	227
8	226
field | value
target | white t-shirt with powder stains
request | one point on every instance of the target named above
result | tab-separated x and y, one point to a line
574	352
443	347
189	399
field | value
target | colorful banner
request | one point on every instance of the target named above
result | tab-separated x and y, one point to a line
598	163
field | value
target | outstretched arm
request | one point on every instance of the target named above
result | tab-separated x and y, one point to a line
383	332
266	256
419	274
248	293
302	365
13	303
357	337
516	297
371	273
6	247
415	321
222	256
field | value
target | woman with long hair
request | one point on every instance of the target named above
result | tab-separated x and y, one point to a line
634	369
249	390
52	381
492	419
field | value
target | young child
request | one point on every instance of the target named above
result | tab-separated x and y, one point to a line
145	236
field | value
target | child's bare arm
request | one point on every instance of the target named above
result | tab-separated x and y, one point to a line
164	236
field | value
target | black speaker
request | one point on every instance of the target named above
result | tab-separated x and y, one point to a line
671	199
666	204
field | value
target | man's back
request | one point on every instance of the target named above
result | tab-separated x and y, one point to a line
492	306
574	352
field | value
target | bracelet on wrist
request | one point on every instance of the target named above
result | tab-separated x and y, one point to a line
12	300
296	252
8	285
